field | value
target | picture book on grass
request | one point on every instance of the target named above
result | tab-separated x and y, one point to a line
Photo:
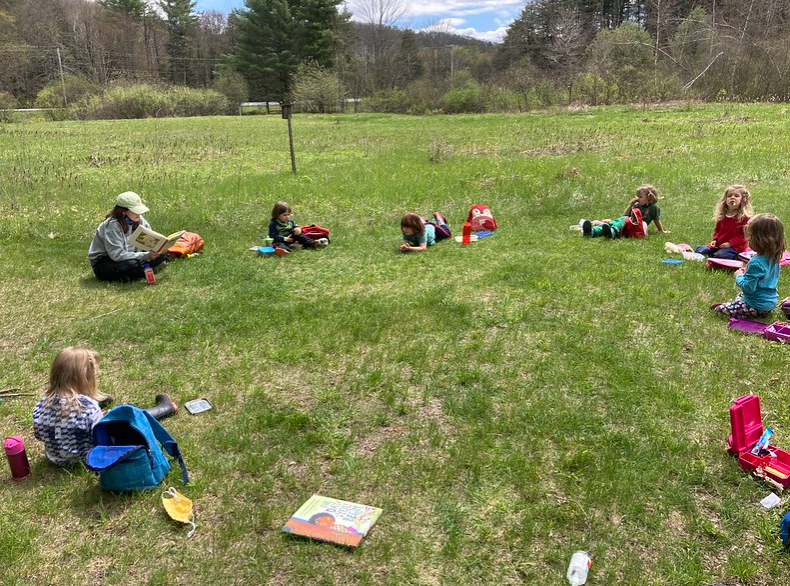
333	520
151	241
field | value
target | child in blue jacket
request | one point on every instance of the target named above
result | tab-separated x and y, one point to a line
758	281
284	231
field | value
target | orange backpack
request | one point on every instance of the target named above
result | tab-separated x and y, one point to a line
189	243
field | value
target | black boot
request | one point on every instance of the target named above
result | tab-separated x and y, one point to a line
165	407
105	402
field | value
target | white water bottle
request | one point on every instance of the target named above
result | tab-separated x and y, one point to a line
578	568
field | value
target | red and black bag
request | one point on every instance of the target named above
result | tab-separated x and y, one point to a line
315	231
635	226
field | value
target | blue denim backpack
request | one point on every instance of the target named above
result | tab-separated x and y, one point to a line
127	453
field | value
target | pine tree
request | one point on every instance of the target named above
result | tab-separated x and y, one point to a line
180	21
316	33
410	65
133	8
276	36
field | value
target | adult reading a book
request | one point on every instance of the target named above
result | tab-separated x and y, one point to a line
111	255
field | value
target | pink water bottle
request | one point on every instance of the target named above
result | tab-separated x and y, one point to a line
17	458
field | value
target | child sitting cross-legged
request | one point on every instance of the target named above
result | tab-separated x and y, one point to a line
731	216
285	233
765	234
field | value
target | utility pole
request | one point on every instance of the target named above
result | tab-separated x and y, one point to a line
62	82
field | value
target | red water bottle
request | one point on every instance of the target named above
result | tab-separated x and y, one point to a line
17	458
466	237
149	274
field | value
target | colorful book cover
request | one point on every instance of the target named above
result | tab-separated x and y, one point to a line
333	520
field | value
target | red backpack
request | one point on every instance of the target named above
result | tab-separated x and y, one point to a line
481	218
635	226
315	231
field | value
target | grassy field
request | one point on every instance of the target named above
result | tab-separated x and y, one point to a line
505	403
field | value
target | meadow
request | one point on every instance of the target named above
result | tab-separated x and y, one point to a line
505	403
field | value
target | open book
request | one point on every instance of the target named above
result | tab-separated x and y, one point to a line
150	241
328	519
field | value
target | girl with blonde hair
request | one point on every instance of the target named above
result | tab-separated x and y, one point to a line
731	215
64	417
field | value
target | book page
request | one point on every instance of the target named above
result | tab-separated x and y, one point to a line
146	239
149	240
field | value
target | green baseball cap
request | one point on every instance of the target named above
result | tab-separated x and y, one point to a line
132	202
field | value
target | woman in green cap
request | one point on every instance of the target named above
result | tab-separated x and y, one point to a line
110	254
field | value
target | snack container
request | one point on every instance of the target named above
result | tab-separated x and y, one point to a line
779	331
746	424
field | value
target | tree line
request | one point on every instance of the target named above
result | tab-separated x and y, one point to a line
54	52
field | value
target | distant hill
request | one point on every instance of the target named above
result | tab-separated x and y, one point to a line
434	38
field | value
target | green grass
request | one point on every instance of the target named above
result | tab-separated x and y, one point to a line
505	403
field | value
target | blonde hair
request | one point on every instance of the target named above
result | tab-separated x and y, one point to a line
746	203
74	372
648	191
413	222
766	236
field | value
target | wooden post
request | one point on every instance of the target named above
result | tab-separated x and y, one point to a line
287	114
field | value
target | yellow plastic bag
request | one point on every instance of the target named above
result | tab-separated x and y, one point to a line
179	508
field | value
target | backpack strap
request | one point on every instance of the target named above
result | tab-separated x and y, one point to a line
169	444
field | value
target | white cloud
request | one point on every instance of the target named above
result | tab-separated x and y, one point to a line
449	15
495	36
453	22
462	7
454	8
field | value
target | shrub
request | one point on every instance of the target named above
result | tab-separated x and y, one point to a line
464	99
420	97
7	102
74	87
318	90
146	101
591	89
187	101
666	86
500	99
232	85
390	101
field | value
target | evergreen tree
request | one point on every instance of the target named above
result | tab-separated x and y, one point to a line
275	36
410	65
133	8
264	50
316	33
180	22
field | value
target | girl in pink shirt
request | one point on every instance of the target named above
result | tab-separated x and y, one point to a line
731	215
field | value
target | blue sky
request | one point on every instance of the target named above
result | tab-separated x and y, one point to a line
482	19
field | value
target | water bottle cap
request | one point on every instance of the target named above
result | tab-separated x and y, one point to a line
14	445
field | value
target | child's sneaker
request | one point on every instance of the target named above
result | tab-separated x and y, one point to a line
587	228
606	230
322	242
440	219
281	250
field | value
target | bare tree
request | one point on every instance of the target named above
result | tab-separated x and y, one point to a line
380	37
382	13
567	46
